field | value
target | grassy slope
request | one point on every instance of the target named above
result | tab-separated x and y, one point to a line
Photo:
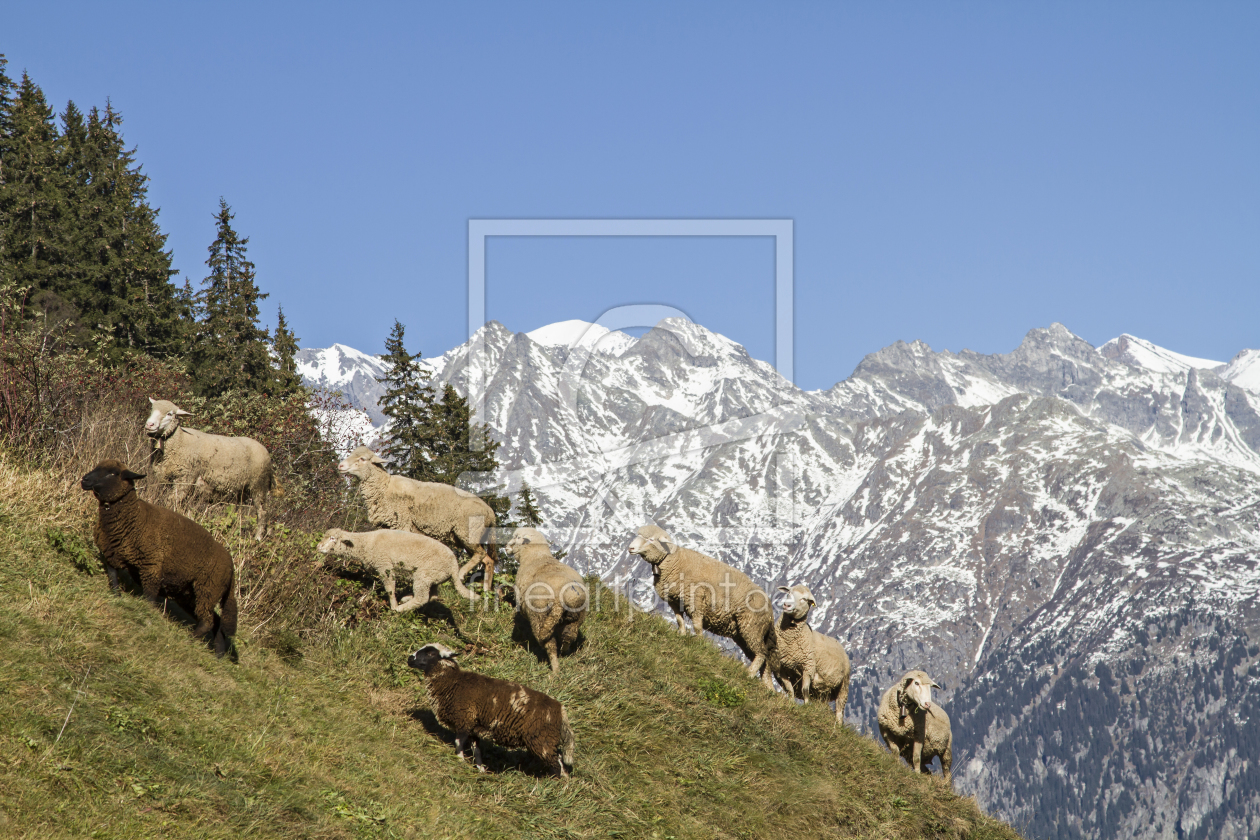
164	740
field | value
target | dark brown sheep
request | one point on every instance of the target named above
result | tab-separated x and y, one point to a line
477	707
169	554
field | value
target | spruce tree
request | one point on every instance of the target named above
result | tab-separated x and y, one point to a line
230	350
125	264
430	439
33	211
449	451
284	344
408	403
526	508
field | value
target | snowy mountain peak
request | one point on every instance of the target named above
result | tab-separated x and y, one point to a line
1244	371
576	333
333	367
1143	354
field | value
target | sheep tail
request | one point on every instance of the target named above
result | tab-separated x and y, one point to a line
566	738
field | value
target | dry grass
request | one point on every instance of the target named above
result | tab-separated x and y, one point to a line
330	736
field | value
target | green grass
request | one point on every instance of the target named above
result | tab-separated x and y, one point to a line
334	737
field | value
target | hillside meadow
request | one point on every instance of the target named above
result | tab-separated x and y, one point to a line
119	725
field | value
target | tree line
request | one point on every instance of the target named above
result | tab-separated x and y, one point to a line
81	247
81	243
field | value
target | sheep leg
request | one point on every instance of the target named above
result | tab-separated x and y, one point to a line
553	654
151	586
204	612
389	587
755	670
480	555
422	593
841	698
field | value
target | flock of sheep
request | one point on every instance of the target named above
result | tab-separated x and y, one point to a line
419	527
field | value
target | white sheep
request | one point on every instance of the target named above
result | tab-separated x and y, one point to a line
806	662
445	513
392	553
716	597
212	468
552	595
913	727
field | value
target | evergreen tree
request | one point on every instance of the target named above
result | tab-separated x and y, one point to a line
454	445
230	350
432	439
408	403
33	210
527	508
288	381
125	266
75	226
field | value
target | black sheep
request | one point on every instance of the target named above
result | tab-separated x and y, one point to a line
167	553
477	707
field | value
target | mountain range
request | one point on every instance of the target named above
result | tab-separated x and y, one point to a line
1066	537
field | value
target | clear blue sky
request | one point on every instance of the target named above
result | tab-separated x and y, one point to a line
958	173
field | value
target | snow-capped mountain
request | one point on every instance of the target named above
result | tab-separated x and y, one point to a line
344	369
1065	537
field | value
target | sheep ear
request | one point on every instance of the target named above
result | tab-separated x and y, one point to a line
132	476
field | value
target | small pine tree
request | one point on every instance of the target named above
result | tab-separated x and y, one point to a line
432	439
288	381
230	349
526	508
407	402
455	446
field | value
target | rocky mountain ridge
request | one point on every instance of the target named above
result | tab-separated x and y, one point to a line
1065	536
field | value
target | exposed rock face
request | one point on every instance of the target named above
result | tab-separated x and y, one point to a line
1067	538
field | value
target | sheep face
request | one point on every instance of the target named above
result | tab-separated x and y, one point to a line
523	537
359	463
429	655
110	481
334	540
652	544
916	690
163	418
797	601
